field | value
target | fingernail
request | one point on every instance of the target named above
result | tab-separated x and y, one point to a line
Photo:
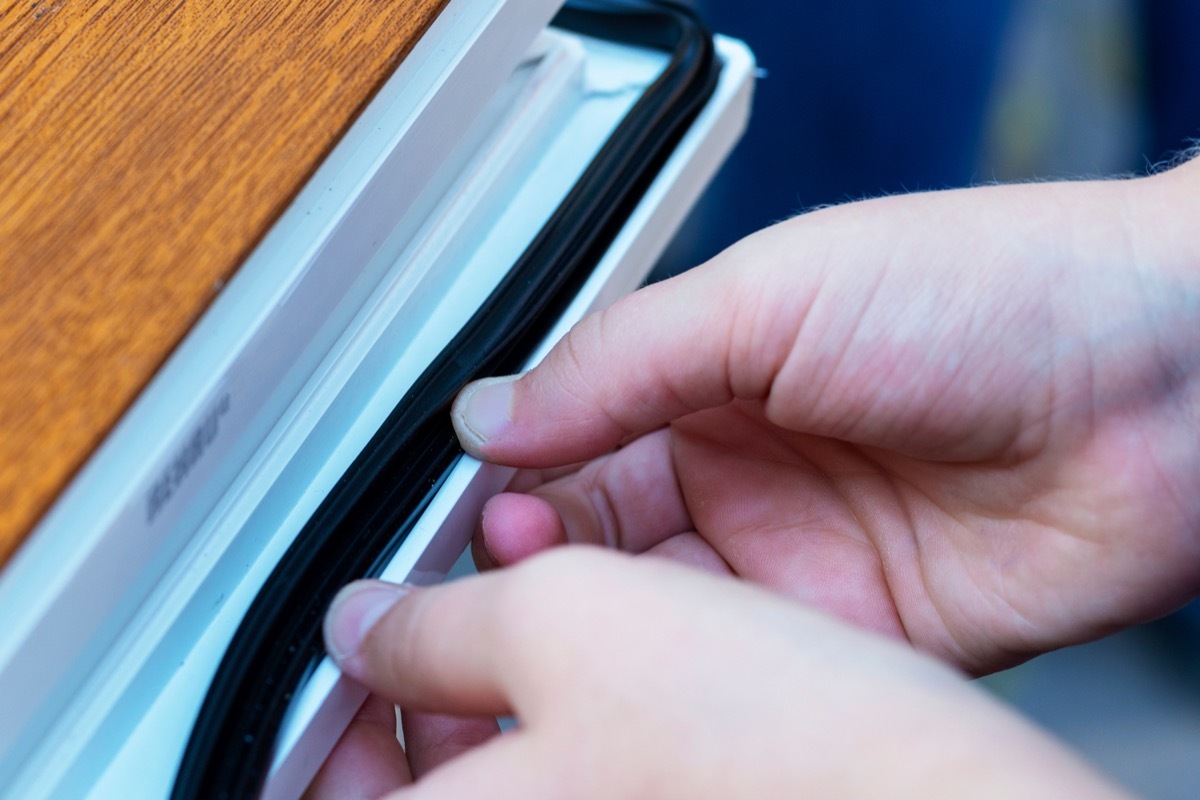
483	411
354	612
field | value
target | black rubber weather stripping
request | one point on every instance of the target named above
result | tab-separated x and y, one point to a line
365	518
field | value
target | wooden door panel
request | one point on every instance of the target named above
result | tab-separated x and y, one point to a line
145	148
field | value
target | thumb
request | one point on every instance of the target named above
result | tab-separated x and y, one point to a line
665	351
919	324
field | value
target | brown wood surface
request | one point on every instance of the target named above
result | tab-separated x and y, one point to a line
145	148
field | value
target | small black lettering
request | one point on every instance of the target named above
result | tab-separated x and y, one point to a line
193	449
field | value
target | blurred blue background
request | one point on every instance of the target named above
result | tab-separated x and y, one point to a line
866	97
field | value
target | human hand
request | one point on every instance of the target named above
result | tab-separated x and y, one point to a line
639	678
970	419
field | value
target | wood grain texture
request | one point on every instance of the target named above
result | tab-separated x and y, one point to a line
145	148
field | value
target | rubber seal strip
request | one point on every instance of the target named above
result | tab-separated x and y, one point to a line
365	518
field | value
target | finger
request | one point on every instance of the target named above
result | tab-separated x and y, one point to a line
513	527
434	649
531	525
629	500
858	322
506	768
368	760
654	356
433	739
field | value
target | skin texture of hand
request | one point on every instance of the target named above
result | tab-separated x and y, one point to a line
645	679
967	419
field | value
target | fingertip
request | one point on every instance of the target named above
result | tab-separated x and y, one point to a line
353	613
435	648
482	412
658	354
484	560
514	527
